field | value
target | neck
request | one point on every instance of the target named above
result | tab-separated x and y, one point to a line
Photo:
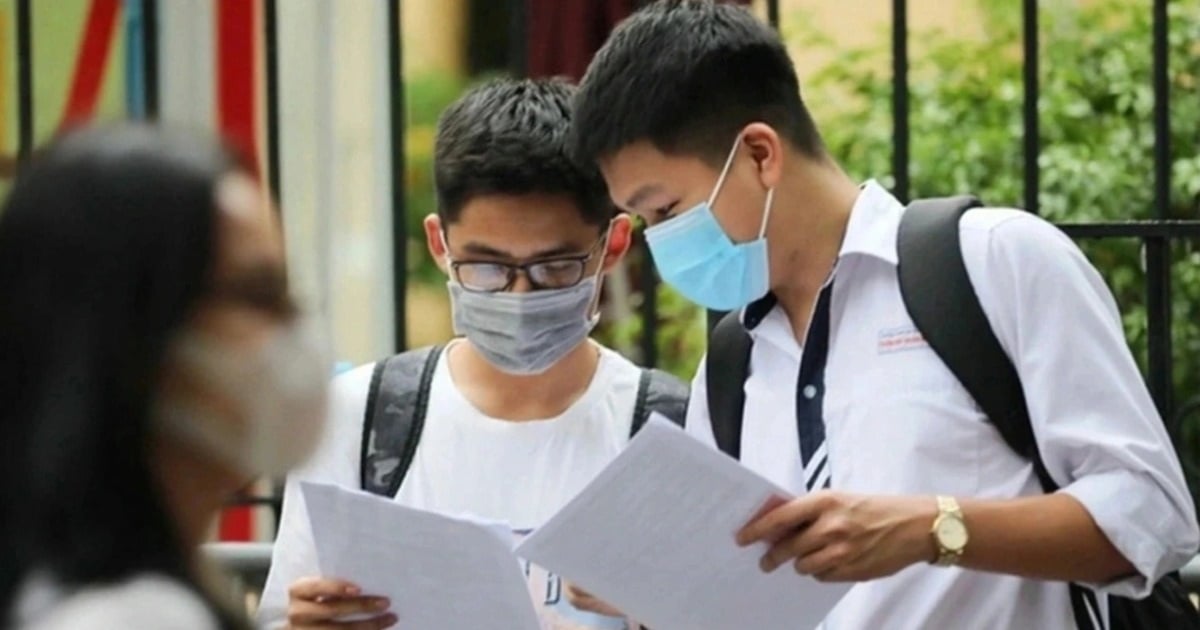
193	491
807	225
505	396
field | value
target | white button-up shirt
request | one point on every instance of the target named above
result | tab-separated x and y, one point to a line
898	421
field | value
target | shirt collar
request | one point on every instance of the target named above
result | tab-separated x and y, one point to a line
871	231
756	311
874	223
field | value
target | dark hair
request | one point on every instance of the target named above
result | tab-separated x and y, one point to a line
510	137
106	247
688	75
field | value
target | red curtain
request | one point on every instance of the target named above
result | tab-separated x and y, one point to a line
562	35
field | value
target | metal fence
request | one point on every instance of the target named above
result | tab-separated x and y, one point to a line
1156	235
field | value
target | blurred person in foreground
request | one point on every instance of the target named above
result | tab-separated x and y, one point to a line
153	365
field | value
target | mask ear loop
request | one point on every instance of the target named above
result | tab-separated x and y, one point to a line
445	245
762	229
448	257
593	316
725	171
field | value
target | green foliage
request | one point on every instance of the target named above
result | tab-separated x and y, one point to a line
1096	113
427	96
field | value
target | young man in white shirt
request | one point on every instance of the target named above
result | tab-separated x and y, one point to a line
692	111
523	409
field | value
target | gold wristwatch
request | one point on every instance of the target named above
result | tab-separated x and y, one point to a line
949	532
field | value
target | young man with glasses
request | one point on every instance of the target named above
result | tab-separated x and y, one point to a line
523	409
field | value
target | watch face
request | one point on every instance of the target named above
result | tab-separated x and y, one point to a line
952	533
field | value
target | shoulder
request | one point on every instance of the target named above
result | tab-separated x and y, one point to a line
626	374
1012	231
665	393
1021	264
348	395
619	370
354	384
338	453
148	601
1021	246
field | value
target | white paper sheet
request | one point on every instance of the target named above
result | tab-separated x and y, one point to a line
653	535
441	573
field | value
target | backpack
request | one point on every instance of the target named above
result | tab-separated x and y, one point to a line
398	400
933	275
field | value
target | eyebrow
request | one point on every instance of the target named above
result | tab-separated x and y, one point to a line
638	197
479	249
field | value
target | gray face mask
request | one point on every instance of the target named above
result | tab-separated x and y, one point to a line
525	333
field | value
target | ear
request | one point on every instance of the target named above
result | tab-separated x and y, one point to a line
620	237
766	148
433	240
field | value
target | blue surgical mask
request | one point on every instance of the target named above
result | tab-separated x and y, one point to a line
694	255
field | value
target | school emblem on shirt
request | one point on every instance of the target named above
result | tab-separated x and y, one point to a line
900	339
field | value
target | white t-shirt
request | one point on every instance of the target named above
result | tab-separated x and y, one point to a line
518	473
144	601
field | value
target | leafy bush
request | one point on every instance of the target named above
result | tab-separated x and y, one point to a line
1096	119
427	95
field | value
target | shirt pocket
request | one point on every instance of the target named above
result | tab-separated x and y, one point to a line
910	428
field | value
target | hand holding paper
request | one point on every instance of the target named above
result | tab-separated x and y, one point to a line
439	572
836	536
654	536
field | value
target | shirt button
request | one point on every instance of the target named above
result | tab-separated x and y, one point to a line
810	391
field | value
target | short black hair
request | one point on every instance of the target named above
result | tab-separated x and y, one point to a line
509	137
687	75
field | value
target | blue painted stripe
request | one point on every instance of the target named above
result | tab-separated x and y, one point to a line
135	67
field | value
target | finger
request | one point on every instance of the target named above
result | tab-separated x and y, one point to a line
311	588
591	604
778	522
302	612
377	623
798	545
826	563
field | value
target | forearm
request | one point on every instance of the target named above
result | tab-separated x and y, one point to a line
1048	537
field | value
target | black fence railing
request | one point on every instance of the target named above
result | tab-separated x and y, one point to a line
24	81
149	10
395	44
271	95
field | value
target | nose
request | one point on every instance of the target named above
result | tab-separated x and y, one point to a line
521	283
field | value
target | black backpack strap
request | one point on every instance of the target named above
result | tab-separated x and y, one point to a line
933	284
726	368
659	392
397	402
